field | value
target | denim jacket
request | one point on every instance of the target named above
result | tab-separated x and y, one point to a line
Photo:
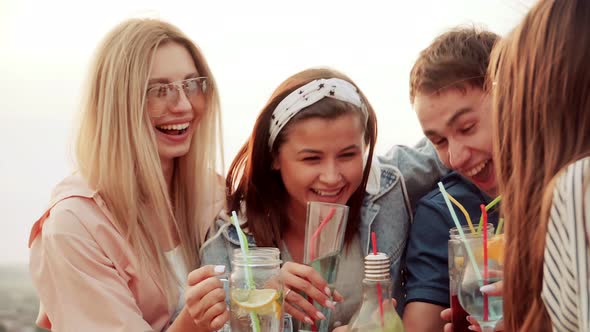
387	208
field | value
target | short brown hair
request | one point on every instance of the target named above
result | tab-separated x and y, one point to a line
456	58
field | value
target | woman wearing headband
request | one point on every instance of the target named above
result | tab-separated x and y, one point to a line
116	247
314	141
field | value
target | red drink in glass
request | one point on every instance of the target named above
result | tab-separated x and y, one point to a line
457	258
460	323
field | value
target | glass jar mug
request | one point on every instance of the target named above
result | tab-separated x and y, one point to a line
256	291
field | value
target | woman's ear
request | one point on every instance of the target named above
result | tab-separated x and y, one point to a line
276	165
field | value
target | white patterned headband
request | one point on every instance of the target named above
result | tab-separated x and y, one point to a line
308	95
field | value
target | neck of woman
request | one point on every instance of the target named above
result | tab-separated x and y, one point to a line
168	171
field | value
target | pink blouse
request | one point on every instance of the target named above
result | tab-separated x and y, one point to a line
85	272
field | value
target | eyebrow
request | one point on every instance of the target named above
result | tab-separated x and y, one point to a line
350	147
457	115
452	120
166	81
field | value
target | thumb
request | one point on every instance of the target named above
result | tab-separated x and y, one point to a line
202	273
494	289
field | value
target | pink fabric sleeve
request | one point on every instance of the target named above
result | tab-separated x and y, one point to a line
78	285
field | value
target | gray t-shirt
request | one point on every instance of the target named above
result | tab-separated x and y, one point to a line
348	283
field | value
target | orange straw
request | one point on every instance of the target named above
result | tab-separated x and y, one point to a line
379	291
484	216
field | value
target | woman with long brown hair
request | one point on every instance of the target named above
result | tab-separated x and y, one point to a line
541	76
314	141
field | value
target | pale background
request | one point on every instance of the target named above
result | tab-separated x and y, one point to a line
251	46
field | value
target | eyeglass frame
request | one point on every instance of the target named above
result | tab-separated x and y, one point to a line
201	88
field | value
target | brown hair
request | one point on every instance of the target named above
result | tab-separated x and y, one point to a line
541	123
457	58
253	182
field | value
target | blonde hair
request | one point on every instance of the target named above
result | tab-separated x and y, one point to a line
117	152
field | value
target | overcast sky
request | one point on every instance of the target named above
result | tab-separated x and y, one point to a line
251	46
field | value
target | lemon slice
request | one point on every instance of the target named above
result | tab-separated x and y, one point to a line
253	299
459	260
496	248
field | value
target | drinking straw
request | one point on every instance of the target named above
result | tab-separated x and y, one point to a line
317	233
485	259
314	236
465	213
244	247
249	278
460	229
500	224
379	291
488	207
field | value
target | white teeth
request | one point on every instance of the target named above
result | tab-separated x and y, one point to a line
477	168
180	126
326	193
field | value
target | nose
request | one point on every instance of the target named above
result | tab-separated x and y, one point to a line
330	174
182	104
458	155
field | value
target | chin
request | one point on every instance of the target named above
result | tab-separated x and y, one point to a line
173	153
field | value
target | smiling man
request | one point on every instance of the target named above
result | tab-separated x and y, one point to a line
448	95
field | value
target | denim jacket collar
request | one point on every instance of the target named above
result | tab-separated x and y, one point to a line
388	178
229	231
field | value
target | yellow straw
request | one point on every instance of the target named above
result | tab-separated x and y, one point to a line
464	212
488	207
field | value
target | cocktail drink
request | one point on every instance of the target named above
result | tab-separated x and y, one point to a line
477	272
256	291
324	236
456	259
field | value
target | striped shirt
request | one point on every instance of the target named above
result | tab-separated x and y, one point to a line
565	271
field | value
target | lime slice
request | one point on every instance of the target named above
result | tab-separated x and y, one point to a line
253	299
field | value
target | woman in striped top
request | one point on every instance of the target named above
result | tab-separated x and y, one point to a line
541	142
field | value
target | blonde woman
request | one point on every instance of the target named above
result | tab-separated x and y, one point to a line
116	247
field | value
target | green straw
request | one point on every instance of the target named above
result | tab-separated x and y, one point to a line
500	224
460	229
248	272
488	207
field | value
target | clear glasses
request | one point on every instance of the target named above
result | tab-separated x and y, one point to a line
457	259
487	310
161	97
324	236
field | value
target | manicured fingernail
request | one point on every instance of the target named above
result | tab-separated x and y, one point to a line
308	320
328	291
330	305
219	268
487	288
471	328
320	315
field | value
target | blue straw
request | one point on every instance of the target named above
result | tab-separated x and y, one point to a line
460	229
